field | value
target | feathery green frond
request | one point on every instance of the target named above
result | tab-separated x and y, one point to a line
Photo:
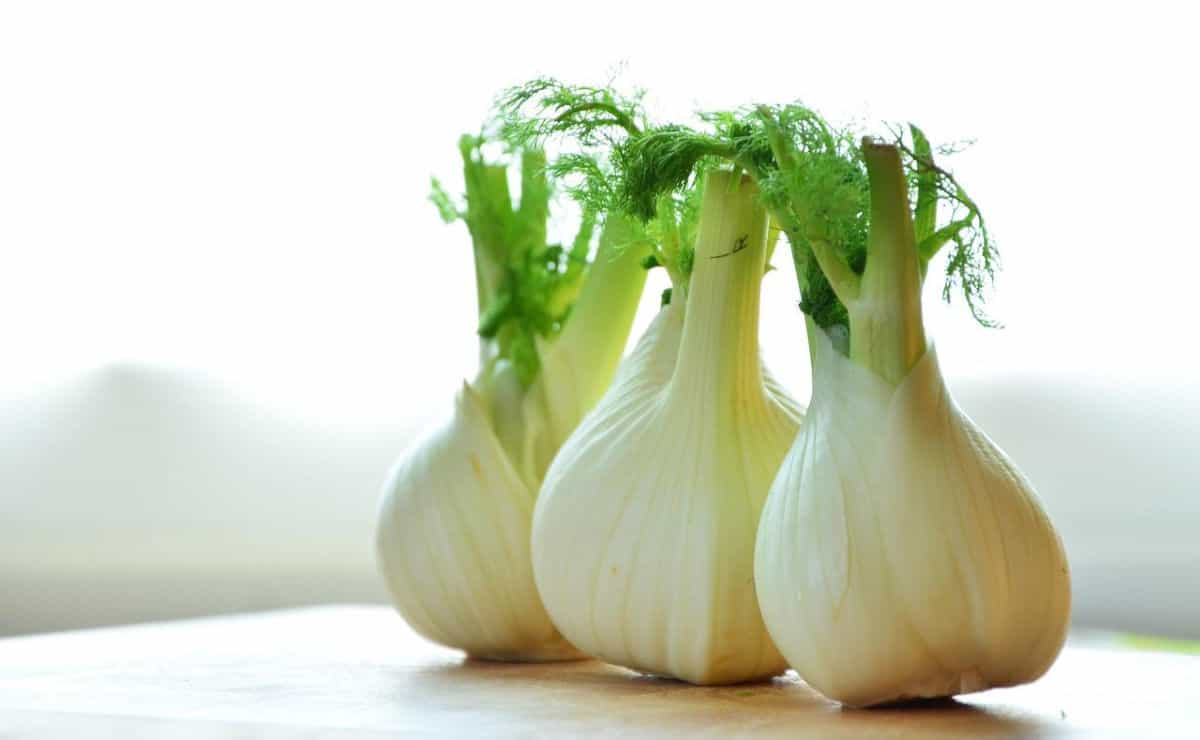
660	161
443	201
811	175
814	182
545	107
584	179
972	264
816	188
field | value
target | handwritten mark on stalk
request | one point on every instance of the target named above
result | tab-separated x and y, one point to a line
742	242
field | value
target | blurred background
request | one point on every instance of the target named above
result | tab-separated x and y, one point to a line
226	305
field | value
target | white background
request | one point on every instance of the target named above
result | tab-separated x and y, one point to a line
225	304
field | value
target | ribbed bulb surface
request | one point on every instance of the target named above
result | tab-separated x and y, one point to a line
901	554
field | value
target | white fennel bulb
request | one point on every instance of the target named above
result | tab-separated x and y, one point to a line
901	554
454	524
644	529
453	543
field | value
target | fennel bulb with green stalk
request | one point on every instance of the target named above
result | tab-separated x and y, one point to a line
901	554
453	530
644	530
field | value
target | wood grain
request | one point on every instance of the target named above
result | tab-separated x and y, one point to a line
348	672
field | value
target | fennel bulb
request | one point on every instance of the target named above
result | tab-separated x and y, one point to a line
454	525
901	554
643	533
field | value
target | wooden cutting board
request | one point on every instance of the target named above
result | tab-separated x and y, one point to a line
349	672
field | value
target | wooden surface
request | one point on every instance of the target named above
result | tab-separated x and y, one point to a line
350	672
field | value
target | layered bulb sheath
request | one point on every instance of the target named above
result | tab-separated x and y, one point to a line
644	530
454	525
901	554
453	543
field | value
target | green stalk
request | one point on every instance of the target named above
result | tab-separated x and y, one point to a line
488	217
489	182
534	209
671	246
925	219
602	316
579	365
887	333
718	353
